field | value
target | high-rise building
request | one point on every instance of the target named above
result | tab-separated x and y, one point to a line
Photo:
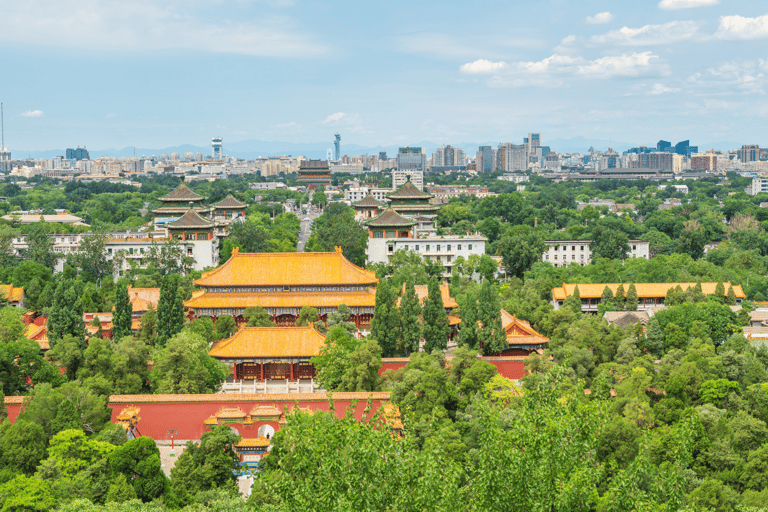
5	159
663	145
704	162
399	177
218	148
532	141
198	157
484	159
175	156
654	161
78	154
337	146
382	155
447	157
411	158
749	153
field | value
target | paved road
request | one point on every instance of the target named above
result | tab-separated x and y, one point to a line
306	227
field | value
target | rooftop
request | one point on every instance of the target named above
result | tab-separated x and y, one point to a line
191	220
287	269
265	342
409	191
595	291
368	202
520	332
182	193
390	218
229	202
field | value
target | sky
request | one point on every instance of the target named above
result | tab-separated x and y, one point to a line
108	74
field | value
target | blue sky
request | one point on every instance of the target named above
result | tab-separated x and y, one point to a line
151	74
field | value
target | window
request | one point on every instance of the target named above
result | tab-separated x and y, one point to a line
390	248
417	248
573	247
582	256
469	247
634	247
449	247
378	234
582	247
427	247
438	248
189	251
448	259
459	246
555	256
573	257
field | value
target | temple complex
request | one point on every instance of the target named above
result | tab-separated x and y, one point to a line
368	208
313	173
283	283
177	205
410	201
178	202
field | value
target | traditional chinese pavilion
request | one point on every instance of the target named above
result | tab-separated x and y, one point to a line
522	339
409	200
283	283
191	226
368	208
314	172
229	208
14	295
178	202
270	353
390	224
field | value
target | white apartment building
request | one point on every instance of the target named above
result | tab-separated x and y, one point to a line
759	185
514	178
564	252
400	176
444	249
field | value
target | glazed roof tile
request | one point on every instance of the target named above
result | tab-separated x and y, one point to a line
254	342
520	332
182	193
12	293
250	397
252	442
209	300
390	218
409	191
142	298
595	291
287	269
229	202
191	219
368	202
422	292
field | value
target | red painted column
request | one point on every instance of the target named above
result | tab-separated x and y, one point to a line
261	367
291	371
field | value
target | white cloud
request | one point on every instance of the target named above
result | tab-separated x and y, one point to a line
736	77
671	32
482	66
447	46
334	118
144	25
552	71
33	113
673	5
600	18
661	89
739	27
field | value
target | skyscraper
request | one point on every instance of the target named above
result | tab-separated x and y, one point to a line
411	159
382	155
749	153
78	154
218	148
484	159
337	147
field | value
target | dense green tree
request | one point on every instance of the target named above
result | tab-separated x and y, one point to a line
123	315
631	301
67	353
410	319
490	332
363	371
573	301
66	316
520	252
468	330
258	317
208	465
22	447
28	494
121	365
333	362
307	316
40	246
147	332
168	308
609	243
170	257
139	461
184	366
436	328
21	364
225	326
337	227
385	326
91	259
203	327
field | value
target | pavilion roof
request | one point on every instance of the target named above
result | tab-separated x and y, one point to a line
229	202
288	269
520	332
390	218
215	300
409	191
595	291
422	292
182	193
191	220
258	342
368	202
142	298
12	293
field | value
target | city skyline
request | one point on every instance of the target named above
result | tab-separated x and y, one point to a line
114	76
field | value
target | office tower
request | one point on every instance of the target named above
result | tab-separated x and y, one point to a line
448	157
663	145
704	162
175	156
484	159
382	155
749	153
163	156
610	158
198	157
399	177
218	149
189	156
337	146
78	154
411	158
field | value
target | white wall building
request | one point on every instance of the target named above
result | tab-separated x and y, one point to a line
400	176
565	252
444	249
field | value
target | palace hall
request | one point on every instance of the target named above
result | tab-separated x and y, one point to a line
283	283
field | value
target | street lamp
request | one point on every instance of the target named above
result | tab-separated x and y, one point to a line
172	433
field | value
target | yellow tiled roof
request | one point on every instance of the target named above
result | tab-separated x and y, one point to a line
520	332
422	292
269	342
281	300
453	320
250	442
261	411
13	293
595	291
142	298
287	269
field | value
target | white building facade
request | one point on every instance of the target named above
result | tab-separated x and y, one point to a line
564	252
